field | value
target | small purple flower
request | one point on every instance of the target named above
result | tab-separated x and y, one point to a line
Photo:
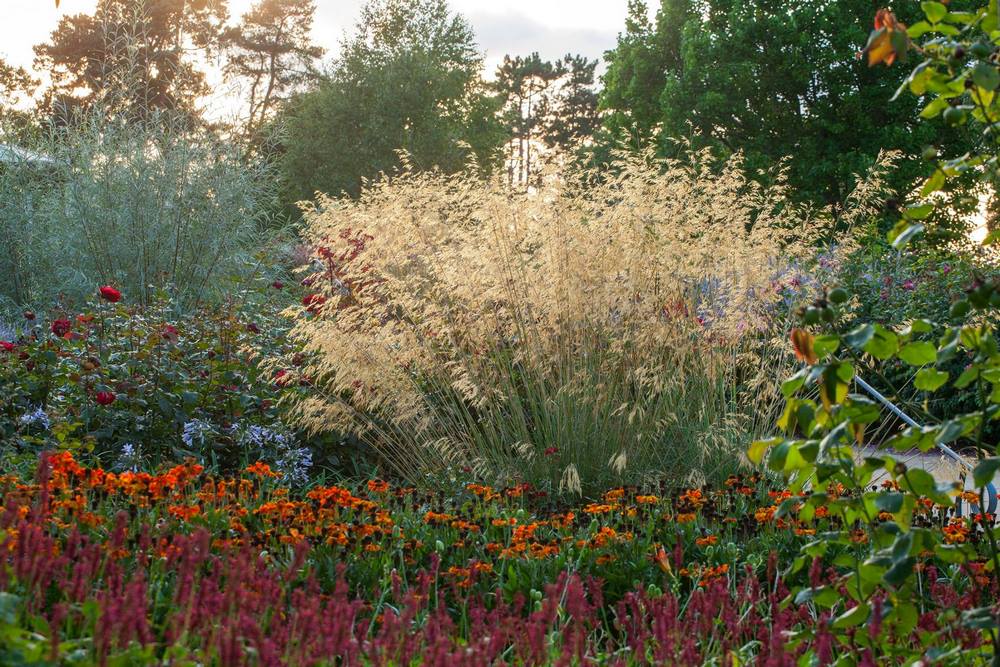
908	285
946	269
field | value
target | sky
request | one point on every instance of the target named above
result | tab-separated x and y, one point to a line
551	27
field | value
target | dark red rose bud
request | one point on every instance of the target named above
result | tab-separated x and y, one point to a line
105	397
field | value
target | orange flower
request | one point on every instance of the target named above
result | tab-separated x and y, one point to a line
378	486
483	491
184	512
706	541
685	517
661	560
614	495
970	497
261	469
595	508
647	500
956	532
693	497
433	518
765	514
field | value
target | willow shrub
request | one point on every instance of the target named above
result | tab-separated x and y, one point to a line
585	333
144	206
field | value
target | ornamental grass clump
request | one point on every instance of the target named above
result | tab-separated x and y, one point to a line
587	332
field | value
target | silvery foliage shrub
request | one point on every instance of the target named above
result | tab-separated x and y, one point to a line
142	206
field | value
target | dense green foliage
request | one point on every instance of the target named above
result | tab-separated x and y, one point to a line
408	80
772	80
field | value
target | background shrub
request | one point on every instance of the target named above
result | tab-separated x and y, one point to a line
147	207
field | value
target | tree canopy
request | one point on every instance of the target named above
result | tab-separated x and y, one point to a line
770	79
272	53
408	80
133	56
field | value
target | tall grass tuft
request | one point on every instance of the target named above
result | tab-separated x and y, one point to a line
590	332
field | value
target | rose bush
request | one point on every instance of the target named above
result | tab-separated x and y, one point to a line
134	386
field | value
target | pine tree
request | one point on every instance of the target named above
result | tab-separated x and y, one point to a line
271	52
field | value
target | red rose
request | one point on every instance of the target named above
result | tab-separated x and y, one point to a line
7	346
277	284
105	397
109	293
28	315
61	327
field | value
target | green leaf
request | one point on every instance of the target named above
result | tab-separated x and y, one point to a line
917	30
929	379
918	212
919	482
899	572
986	76
952	553
902	546
949	431
889	502
903	233
981	618
852	617
825	344
967	377
759	447
859	337
883	343
936	180
919	353
985	471
934	11
934	108
793	384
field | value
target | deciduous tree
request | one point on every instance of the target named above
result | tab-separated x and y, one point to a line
407	81
770	79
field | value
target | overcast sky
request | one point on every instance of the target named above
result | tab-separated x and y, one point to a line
551	27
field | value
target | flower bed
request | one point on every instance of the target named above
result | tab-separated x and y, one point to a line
129	568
